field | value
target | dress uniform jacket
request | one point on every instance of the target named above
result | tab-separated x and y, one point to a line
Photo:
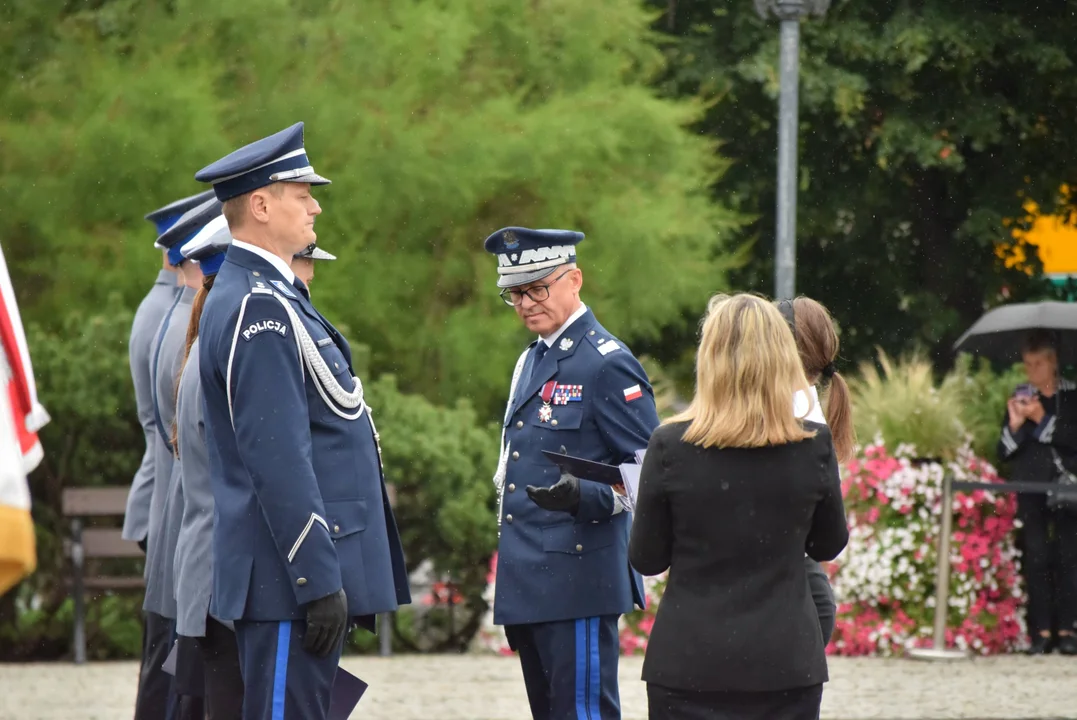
551	565
193	567
301	506
164	519
151	311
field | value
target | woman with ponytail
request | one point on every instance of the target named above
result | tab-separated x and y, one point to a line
204	643
817	344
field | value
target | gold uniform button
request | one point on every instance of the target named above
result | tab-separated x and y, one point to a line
591	333
519	423
301	581
508	518
258	274
515	455
512	487
553	422
579	548
336	528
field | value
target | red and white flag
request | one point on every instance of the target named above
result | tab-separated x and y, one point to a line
21	416
633	393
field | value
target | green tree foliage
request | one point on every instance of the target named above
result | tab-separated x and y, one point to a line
438	122
441	461
923	125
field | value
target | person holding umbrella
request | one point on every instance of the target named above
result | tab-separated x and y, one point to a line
1038	441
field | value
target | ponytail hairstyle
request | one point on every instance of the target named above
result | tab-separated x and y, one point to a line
192	335
818	345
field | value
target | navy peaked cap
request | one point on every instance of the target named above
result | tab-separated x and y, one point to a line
280	157
525	255
209	244
164	217
183	231
314	252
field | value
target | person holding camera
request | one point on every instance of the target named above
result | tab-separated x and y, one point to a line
1039	441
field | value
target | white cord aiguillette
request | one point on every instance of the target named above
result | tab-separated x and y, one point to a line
324	380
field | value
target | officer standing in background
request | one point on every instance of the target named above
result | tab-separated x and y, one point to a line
303	262
160	597
147	320
563	578
305	542
153	683
200	634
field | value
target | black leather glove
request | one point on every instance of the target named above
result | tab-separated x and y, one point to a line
564	495
327	621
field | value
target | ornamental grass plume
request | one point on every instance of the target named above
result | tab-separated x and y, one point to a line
902	404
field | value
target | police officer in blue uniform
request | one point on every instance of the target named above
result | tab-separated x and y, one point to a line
563	578
153	683
305	543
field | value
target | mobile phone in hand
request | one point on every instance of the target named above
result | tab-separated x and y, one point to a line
1025	391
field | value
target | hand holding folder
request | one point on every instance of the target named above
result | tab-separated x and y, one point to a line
625	475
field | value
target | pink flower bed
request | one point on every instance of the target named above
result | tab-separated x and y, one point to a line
885	579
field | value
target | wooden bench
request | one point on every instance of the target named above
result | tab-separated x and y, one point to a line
94	543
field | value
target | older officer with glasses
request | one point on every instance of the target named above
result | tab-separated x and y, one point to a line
563	578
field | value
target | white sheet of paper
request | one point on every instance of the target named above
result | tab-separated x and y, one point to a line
630	475
639	456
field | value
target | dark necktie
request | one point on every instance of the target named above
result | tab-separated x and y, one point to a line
301	287
536	356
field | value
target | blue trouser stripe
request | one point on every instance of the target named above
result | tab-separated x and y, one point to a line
596	674
581	671
280	669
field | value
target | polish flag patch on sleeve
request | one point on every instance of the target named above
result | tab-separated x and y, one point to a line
633	393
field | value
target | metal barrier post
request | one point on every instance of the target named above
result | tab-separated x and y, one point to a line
77	559
938	651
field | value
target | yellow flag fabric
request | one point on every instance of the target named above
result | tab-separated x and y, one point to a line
21	416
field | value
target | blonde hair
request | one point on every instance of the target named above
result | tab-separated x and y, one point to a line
747	370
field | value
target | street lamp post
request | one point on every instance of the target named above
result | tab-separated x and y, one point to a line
789	12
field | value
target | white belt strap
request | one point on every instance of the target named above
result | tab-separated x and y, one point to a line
502	461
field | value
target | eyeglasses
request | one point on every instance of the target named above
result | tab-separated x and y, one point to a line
514	297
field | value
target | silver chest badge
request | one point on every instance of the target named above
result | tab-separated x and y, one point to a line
566	343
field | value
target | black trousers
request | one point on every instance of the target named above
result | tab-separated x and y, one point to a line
223	679
796	704
155	699
1049	564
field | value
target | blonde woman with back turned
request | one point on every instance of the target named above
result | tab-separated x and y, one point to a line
733	492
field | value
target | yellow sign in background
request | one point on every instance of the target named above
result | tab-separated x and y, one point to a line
1055	237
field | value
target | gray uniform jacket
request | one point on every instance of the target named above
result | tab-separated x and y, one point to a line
164	520
194	549
151	311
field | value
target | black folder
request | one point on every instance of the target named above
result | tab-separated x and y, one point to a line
586	469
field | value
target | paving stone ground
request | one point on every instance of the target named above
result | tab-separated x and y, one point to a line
477	687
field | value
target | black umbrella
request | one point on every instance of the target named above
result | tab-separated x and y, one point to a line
999	334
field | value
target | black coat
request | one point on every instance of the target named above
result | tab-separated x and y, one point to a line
732	526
